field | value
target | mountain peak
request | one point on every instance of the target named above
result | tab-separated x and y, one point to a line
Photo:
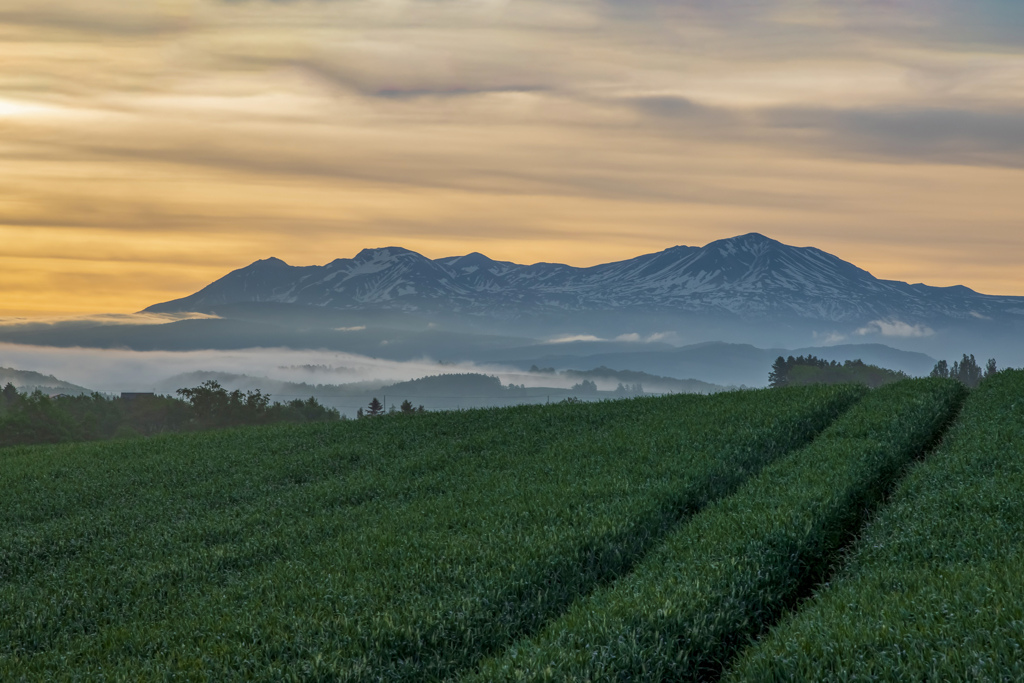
273	261
384	253
753	238
474	258
752	242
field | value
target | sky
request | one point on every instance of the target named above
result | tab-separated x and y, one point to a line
148	148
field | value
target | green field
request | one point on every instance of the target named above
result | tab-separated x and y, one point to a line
397	548
934	590
755	535
719	580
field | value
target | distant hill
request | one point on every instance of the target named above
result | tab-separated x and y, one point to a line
27	381
651	383
450	391
458	385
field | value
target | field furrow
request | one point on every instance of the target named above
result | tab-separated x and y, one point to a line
726	575
933	590
395	548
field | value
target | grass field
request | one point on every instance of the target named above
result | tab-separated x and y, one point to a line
386	549
805	533
725	576
933	590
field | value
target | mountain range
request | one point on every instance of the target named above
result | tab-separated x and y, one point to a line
750	276
719	313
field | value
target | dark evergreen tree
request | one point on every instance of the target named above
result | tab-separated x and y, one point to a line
9	396
375	408
407	407
779	376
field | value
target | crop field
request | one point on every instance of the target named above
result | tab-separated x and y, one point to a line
719	580
384	549
933	590
804	533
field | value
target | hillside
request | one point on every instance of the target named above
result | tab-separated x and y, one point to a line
27	381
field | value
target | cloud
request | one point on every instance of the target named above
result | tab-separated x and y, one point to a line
632	337
964	136
37	322
829	338
575	338
188	136
102	17
895	328
648	339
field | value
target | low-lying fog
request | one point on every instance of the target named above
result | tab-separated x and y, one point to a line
114	371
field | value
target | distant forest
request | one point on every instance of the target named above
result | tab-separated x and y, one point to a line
966	370
36	418
812	370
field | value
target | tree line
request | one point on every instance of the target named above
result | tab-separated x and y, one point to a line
813	370
966	370
803	370
35	418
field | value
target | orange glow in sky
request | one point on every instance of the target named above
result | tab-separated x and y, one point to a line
147	149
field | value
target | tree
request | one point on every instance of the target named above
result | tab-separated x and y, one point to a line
586	387
779	376
9	396
990	368
375	408
813	370
37	419
967	371
213	406
298	410
209	402
407	407
941	369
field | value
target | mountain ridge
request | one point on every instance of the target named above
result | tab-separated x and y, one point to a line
750	276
